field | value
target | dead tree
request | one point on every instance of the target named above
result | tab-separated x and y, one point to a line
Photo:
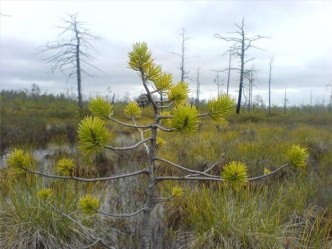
270	86
71	51
218	82
229	52
330	105
198	87
181	55
241	44
249	75
285	100
229	69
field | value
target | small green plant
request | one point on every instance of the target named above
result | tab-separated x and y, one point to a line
65	166
170	114
298	156
44	193
101	109
235	175
177	191
93	135
89	204
185	119
132	110
18	160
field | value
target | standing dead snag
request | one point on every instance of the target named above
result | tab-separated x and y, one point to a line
182	56
230	53
229	70
198	89
241	44
71	51
250	77
270	71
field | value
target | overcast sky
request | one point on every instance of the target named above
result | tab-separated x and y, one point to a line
300	43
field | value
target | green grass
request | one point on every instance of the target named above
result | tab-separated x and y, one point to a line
290	210
261	216
28	222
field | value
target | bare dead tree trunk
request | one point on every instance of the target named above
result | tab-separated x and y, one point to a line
270	87
229	70
146	231
182	56
330	104
217	82
249	75
238	107
183	72
251	83
78	69
285	100
113	99
230	52
197	89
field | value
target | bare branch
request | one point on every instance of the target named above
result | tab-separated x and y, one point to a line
187	178
232	39
257	178
80	179
142	137
164	128
179	55
248	60
129	125
226	69
184	168
122	215
128	147
214	164
112	238
89	64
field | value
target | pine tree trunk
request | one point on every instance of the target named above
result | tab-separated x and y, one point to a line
146	229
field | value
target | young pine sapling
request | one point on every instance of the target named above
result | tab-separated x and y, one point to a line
171	113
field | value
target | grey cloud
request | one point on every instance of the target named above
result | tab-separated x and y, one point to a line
19	62
20	66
